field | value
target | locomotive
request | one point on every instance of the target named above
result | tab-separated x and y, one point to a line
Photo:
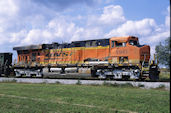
114	58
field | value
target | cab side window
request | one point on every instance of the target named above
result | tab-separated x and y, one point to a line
113	44
118	44
122	44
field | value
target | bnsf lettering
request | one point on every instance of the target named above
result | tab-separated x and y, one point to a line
63	54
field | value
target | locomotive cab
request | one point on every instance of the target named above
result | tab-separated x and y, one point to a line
127	50
127	53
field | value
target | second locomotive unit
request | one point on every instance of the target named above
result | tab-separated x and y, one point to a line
116	57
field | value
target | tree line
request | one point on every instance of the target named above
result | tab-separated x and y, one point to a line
163	52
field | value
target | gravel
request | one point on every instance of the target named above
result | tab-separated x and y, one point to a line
146	85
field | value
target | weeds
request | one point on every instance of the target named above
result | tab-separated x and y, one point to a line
161	86
117	85
141	85
45	82
9	81
57	82
78	82
164	76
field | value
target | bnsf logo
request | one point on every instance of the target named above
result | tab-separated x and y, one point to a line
57	54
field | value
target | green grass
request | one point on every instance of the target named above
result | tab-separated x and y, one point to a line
164	76
58	98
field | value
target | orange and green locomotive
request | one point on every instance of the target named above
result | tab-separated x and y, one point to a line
116	57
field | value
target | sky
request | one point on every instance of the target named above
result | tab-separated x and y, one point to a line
25	22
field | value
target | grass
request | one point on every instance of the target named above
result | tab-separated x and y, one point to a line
117	85
164	76
58	98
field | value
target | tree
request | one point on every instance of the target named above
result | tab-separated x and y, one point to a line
163	52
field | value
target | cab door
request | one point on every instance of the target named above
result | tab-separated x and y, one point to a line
112	50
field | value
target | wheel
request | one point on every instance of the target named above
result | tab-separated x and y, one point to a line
102	75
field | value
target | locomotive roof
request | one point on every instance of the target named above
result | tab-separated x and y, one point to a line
91	40
124	38
42	46
28	47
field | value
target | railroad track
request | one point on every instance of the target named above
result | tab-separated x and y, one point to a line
142	84
89	78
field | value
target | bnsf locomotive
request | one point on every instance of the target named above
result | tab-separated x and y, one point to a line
116	57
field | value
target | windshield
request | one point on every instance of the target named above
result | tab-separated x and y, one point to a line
134	43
